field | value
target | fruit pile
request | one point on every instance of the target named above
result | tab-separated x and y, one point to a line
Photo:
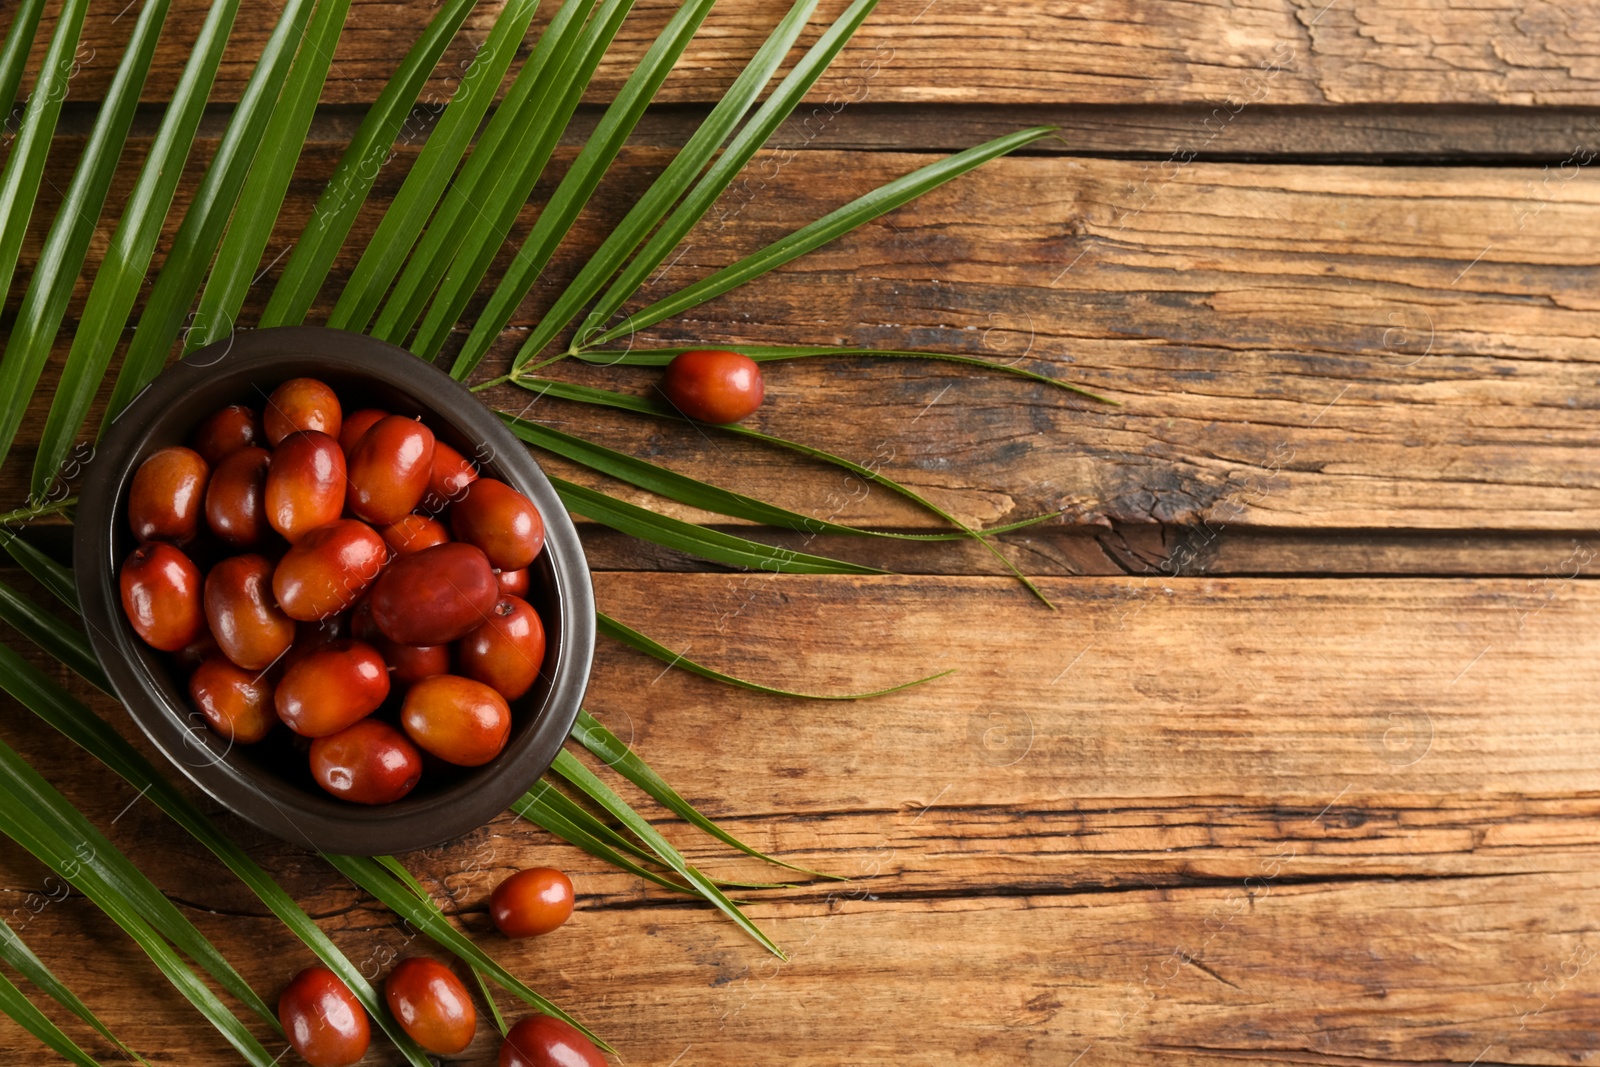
328	1027
365	588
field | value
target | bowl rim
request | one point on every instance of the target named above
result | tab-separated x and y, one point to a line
275	805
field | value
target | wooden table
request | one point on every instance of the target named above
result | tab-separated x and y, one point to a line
1305	765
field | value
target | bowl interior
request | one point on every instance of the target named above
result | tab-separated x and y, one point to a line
270	783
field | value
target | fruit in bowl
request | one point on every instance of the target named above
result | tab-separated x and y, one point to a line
334	493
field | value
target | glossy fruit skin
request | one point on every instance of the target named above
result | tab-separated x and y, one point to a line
301	404
413	533
323	1020
540	1041
499	520
531	902
457	719
409	664
713	385
236	508
168	495
327	570
389	470
305	484
161	596
244	618
431	1005
236	703
226	431
451	474
514	583
506	652
434	596
357	423
331	687
368	762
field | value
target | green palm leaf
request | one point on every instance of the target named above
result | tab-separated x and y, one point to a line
61	259
649	646
430	173
14	53
52	575
207	216
122	271
370	148
660	357
556	218
517	142
16	952
37	1023
739	152
19	184
270	171
696	540
828	228
572	769
650	209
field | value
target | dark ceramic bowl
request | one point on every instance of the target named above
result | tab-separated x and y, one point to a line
269	784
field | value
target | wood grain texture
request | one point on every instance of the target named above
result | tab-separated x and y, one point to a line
1292	347
1176	51
1149	860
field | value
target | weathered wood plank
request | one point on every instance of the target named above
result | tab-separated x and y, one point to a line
1247	814
1177	51
1293	347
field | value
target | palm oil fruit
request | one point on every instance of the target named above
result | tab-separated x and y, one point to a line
323	1020
236	703
301	404
712	385
345	561
236	508
328	569
505	653
161	596
368	762
457	719
331	687
388	470
167	498
305	484
250	628
225	432
540	1041
434	596
531	902
431	1005
499	520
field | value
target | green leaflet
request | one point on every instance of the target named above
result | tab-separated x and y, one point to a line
651	208
696	540
31	1019
273	165
17	953
468	267
605	746
370	149
14	55
828	228
407	214
60	261
122	271
572	769
739	152
45	570
660	357
19	184
517	142
207	216
635	640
